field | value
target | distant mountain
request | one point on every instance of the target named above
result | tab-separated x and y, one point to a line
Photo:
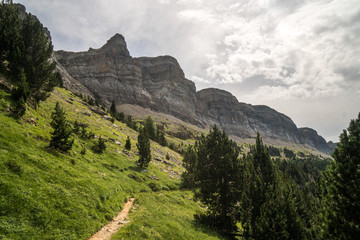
159	83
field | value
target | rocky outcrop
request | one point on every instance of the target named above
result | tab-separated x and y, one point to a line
110	73
159	83
219	107
165	82
311	138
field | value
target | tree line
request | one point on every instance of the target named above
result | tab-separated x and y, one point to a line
253	197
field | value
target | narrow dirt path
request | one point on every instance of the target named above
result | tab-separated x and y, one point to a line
107	231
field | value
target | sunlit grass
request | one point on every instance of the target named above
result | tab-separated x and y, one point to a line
164	215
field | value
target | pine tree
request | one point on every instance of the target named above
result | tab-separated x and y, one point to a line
100	146
216	180
190	164
60	137
39	70
161	137
341	187
150	128
26	48
143	146
269	202
113	110
11	42
128	144
76	128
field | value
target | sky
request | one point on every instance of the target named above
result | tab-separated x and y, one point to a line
300	57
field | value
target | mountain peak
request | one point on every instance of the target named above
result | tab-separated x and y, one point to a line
117	45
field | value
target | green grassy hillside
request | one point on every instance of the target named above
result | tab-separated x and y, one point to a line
164	215
50	195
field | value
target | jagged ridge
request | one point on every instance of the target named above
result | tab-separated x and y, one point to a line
159	83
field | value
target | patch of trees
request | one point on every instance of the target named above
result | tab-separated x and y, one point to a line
121	117
274	151
25	53
289	153
275	199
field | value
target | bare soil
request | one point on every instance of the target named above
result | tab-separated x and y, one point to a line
108	230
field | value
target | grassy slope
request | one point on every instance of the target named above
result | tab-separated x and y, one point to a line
165	215
50	195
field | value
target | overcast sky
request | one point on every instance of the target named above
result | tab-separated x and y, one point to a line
300	57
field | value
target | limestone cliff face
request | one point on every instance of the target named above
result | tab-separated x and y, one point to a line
159	83
220	107
311	137
165	81
110	73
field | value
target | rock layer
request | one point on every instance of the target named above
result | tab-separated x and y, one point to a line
159	83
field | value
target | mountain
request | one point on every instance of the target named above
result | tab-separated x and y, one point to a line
158	83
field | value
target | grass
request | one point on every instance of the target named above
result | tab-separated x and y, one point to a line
164	215
45	194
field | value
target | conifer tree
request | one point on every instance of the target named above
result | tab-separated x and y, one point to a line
161	138
190	164
128	144
26	48
149	128
341	191
113	110
269	202
216	180
60	137
100	146
143	146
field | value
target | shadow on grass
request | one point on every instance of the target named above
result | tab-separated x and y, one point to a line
136	168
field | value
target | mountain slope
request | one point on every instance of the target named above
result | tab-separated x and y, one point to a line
50	195
159	83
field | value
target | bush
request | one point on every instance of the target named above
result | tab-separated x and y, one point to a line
14	167
154	186
128	144
100	146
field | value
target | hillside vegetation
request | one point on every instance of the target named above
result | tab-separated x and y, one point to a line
50	195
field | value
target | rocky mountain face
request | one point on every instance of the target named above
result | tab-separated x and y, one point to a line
159	83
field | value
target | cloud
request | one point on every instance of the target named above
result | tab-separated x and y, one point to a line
312	39
265	51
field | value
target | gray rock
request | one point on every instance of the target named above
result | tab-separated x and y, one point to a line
159	83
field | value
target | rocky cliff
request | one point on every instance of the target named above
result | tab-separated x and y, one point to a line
159	83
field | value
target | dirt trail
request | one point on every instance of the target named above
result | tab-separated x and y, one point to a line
107	231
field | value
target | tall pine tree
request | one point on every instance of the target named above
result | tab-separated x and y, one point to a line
341	187
143	146
25	48
269	202
216	178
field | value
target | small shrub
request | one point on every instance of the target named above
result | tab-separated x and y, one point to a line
100	146
20	108
14	167
83	151
128	144
154	186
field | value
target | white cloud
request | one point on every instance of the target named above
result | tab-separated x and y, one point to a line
300	49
